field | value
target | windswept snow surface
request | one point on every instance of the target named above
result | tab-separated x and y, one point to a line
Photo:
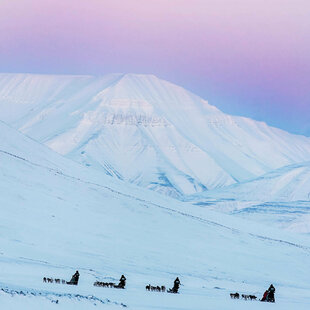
145	130
280	197
57	216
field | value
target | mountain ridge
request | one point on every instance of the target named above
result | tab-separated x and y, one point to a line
285	184
145	130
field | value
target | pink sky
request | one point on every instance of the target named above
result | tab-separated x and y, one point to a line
248	57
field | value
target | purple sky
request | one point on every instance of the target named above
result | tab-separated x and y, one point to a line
247	57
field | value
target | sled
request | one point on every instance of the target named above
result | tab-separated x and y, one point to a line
172	291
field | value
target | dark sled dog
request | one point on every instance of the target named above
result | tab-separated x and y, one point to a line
234	295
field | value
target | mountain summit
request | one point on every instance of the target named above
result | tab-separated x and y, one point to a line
145	130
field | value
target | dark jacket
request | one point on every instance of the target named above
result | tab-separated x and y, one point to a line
75	278
122	281
176	285
271	292
177	282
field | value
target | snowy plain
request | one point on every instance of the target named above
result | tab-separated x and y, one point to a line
58	216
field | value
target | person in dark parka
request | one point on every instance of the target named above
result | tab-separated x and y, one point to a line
122	281
176	285
271	291
75	279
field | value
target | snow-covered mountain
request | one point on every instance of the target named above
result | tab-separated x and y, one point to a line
145	130
280	198
58	216
289	183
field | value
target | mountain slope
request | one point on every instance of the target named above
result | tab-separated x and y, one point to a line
58	216
279	198
289	183
145	130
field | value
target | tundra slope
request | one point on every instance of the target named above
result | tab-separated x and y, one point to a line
58	216
280	197
145	130
289	183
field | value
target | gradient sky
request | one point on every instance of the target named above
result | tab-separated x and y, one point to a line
247	57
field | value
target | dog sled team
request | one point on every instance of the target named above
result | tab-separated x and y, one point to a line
121	285
243	296
155	288
74	280
174	289
267	297
51	280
